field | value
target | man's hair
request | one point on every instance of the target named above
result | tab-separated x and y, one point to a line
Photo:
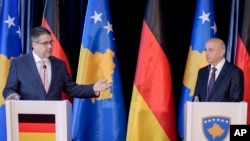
38	31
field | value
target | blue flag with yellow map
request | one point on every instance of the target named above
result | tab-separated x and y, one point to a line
102	118
204	28
10	46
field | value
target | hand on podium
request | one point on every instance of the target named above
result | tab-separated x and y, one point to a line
13	96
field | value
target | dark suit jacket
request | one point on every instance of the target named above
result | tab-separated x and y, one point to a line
228	87
25	80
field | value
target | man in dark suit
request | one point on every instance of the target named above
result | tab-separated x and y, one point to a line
25	81
228	83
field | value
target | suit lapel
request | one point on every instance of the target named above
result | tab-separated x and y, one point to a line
33	68
206	76
53	72
205	79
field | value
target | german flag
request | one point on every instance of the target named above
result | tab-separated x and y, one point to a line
36	127
152	114
242	58
51	21
238	47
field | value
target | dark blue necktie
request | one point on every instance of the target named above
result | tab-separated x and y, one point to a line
211	81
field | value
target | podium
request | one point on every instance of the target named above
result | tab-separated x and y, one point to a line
38	120
211	120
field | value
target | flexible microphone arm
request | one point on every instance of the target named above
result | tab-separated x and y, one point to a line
44	69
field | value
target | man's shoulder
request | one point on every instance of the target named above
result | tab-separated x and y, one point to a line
55	59
232	67
21	57
204	68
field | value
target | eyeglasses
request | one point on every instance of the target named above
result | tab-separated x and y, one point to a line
46	43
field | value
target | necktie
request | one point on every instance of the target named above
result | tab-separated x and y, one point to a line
44	75
211	81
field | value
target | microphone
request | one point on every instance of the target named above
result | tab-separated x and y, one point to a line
44	67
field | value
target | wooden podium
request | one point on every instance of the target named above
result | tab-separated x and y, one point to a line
38	120
211	120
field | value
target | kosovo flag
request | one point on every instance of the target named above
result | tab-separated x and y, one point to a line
10	46
102	118
204	28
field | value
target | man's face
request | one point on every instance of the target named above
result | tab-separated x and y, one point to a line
214	53
43	46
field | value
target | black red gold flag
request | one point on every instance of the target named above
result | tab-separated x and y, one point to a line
152	114
51	20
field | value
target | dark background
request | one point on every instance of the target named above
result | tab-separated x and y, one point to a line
179	14
127	16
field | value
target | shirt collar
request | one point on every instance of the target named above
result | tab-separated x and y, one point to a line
37	58
220	64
